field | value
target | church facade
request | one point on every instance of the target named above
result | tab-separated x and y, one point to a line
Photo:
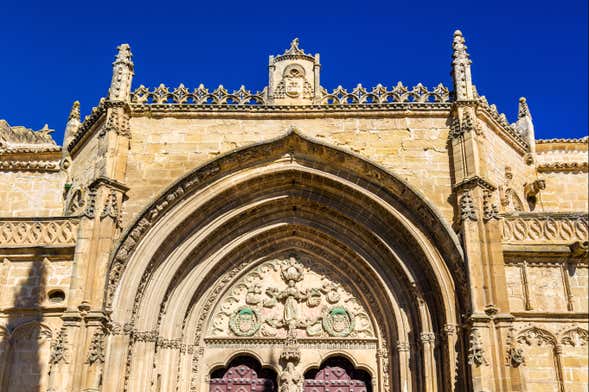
293	239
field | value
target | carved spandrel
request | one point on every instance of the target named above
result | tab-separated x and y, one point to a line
288	295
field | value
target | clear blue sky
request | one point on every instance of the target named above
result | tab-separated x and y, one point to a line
56	52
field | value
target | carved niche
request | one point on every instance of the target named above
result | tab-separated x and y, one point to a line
290	297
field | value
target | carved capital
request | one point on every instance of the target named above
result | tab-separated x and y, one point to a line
427	337
403	346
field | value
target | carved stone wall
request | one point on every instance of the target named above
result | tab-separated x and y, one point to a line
163	150
25	194
155	246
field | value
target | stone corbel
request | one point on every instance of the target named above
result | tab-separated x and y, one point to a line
579	249
531	191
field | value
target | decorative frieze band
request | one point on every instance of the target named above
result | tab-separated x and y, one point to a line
339	96
14	232
532	228
564	167
326	344
29	165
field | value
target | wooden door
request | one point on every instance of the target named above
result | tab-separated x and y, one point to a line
242	375
337	375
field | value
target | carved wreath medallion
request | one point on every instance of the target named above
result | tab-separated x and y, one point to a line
245	321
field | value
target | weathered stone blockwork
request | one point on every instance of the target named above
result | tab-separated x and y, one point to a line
397	238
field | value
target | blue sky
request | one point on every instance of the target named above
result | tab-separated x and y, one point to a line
57	52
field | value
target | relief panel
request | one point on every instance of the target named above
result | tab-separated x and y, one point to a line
290	295
515	288
547	289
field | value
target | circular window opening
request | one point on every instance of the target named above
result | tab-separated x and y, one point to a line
56	296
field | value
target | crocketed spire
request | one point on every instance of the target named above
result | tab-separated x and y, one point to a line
461	69
523	110
122	75
75	112
525	125
124	55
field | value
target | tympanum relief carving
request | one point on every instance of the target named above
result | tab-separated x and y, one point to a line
287	297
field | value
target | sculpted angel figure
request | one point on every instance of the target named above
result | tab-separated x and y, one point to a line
291	296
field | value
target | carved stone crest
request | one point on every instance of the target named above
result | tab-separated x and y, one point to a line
338	321
294	83
245	321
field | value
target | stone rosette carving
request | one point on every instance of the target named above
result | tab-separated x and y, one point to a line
284	297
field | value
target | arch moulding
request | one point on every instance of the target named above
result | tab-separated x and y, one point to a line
287	196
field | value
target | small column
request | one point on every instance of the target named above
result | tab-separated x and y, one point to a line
428	342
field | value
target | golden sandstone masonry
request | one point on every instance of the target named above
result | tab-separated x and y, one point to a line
294	239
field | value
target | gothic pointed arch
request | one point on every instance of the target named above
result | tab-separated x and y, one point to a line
346	218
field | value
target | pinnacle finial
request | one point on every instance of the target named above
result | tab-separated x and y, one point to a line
122	76
459	48
523	110
124	55
75	112
294	47
461	74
